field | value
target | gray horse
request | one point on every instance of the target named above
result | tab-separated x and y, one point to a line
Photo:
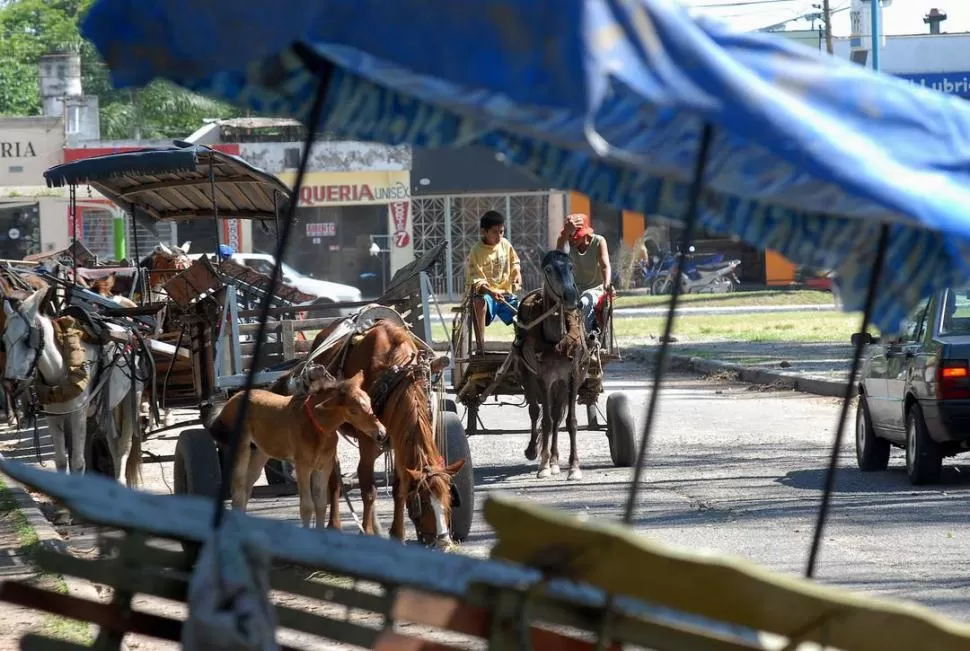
552	341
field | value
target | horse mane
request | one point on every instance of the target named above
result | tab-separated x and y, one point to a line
407	412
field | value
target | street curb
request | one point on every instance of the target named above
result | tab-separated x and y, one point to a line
751	375
49	539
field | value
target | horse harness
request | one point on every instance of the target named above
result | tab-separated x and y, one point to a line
416	369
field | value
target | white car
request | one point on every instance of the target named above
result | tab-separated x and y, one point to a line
324	290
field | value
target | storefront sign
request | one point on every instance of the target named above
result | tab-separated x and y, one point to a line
29	146
232	234
321	229
17	149
951	83
351	188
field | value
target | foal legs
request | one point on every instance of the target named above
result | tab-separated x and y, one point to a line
320	490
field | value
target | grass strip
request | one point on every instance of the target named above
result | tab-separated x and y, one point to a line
52	625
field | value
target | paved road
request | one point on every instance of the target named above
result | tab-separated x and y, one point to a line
735	470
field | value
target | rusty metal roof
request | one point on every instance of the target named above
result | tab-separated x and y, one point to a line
176	183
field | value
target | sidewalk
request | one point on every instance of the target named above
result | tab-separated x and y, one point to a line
23	528
819	368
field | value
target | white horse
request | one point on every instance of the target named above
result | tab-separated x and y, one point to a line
33	355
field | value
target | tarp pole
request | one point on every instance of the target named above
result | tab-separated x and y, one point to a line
876	10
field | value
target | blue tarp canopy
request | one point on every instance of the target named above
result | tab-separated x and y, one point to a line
181	182
608	97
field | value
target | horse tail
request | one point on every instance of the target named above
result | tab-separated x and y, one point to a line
129	425
133	467
216	424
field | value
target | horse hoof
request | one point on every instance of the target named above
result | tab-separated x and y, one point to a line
531	454
575	474
554	468
545	472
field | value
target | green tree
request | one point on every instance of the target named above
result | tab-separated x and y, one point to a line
32	28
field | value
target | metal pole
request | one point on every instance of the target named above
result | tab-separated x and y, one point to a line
827	20
876	9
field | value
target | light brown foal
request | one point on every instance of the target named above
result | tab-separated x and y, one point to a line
298	429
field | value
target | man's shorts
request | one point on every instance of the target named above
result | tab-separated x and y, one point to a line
499	309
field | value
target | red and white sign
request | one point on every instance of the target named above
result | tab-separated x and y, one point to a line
321	229
399	219
232	233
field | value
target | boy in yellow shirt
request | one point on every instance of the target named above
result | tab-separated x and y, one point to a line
494	275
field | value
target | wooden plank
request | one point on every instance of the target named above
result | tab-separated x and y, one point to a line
160	348
286	337
175	588
616	559
102	501
273	327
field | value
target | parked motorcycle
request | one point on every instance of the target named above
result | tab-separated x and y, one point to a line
713	275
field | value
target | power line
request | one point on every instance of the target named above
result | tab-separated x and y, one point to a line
738	4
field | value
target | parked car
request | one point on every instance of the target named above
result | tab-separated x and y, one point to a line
914	390
324	290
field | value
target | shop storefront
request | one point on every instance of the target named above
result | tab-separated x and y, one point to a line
30	221
340	216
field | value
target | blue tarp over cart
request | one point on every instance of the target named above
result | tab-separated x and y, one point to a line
607	97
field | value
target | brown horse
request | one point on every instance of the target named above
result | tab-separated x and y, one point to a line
301	429
105	286
397	376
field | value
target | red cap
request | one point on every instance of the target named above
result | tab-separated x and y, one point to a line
582	231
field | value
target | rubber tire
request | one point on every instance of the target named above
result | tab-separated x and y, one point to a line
456	444
451	406
277	474
928	464
874	454
621	430
198	464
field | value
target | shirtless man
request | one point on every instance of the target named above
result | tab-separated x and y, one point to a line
591	263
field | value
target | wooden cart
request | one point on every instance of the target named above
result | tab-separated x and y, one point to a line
478	376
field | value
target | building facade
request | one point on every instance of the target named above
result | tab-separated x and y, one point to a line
452	188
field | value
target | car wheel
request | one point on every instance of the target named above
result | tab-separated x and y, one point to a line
871	452
924	462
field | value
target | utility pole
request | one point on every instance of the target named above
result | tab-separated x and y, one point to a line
827	25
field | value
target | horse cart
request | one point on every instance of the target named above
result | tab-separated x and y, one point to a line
202	313
798	163
493	371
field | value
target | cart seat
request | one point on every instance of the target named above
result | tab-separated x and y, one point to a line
599	312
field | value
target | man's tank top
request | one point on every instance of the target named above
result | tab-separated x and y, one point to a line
586	265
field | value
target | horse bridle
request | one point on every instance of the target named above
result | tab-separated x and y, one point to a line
35	339
414	503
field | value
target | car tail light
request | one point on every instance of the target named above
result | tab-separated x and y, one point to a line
953	380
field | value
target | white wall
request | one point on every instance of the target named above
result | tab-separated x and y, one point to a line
919	53
329	156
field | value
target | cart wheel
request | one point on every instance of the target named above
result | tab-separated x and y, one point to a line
198	464
279	473
457	448
451	406
471	428
592	418
620	430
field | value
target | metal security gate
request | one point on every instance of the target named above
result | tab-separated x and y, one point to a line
454	219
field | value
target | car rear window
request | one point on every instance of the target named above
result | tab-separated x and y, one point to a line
956	312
